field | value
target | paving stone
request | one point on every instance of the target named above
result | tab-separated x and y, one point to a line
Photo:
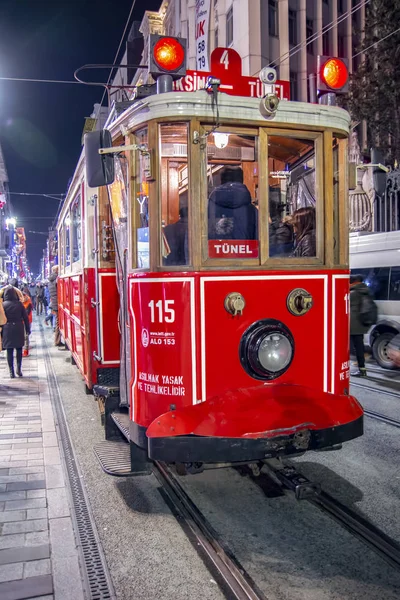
10	572
37	538
36	513
54	476
12	541
57	503
11	465
35	476
26	470
62	538
12	515
12	496
12	478
33	435
50	439
67	580
36	462
24	554
52	456
37	567
2	487
24	504
18	590
25	526
4	471
36	494
26	485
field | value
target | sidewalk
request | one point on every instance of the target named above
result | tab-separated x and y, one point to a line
38	553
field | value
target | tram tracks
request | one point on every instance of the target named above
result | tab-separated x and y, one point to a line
235	580
351	520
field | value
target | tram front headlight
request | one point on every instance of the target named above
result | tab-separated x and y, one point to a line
275	352
266	349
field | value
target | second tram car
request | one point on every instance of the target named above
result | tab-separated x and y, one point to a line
87	290
231	251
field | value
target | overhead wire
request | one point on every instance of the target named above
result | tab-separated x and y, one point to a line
31	80
118	51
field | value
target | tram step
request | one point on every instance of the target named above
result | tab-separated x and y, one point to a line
115	458
122	422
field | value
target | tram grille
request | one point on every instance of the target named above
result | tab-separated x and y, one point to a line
97	578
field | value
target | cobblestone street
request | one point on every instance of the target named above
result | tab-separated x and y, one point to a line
38	554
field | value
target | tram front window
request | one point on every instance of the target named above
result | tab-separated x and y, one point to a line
174	194
232	170
292	197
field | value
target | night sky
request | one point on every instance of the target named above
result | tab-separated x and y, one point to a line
41	124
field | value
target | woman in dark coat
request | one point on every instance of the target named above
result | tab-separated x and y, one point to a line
304	232
13	334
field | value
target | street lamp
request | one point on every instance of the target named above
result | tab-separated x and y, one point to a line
11	222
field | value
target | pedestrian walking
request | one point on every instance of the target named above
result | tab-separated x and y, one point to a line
39	298
363	314
14	284
33	295
53	281
13	332
29	311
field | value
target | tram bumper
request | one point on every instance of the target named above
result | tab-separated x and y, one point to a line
255	423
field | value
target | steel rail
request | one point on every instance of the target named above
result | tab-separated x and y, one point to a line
388	420
233	575
370	388
357	525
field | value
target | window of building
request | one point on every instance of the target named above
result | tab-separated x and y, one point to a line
341	46
273	17
216	37
292	27
309	34
293	86
174	194
340	7
76	227
232	174
325	43
229	27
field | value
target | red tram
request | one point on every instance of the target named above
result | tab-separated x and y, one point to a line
88	296
230	226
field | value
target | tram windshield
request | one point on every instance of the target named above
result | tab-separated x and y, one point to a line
174	194
232	173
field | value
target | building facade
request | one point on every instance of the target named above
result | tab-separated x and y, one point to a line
6	224
286	34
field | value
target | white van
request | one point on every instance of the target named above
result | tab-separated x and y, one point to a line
376	256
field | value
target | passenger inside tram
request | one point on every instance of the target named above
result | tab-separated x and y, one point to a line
176	238
231	214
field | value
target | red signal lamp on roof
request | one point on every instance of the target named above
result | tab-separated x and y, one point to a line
332	75
167	56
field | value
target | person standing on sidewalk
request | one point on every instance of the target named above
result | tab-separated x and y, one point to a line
29	311
13	333
39	298
54	304
360	299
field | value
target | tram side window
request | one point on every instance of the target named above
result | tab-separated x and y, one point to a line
394	288
174	194
292	197
142	204
377	280
76	229
232	171
67	234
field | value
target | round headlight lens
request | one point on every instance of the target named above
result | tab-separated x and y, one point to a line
266	349
275	352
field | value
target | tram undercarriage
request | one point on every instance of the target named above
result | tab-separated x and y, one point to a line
289	419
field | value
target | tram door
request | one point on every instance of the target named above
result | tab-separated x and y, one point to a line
118	198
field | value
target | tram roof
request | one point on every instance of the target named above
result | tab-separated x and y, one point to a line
239	108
